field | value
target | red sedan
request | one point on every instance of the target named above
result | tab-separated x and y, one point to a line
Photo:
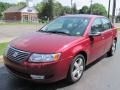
61	49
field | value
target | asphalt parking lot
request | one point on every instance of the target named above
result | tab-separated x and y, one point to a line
101	75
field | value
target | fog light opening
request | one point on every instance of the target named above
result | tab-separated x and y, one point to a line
37	77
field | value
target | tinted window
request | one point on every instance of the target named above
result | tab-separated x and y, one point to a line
96	26
106	24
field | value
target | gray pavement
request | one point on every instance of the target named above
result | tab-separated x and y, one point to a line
8	32
101	75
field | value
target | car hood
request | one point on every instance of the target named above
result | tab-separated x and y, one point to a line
39	42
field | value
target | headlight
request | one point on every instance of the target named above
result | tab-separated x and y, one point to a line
44	57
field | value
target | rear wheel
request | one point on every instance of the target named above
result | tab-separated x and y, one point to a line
112	49
76	69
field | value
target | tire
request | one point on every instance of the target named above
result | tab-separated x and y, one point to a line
76	69
112	49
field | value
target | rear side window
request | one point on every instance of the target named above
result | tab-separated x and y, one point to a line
106	24
96	26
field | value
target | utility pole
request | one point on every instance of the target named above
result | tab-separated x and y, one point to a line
113	13
91	2
109	5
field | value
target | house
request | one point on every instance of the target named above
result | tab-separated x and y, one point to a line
21	13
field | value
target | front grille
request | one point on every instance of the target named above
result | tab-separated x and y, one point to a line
17	55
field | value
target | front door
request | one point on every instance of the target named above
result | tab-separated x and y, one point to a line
97	45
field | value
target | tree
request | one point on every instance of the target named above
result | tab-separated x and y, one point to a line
47	9
74	9
84	10
21	4
39	7
57	9
98	9
3	7
66	10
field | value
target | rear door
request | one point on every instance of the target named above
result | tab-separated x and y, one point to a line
107	33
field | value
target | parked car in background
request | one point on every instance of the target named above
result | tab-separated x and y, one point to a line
61	49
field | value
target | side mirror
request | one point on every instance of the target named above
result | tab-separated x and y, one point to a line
94	34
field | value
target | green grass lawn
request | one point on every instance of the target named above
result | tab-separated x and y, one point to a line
2	47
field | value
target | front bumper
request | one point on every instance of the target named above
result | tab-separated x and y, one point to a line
52	71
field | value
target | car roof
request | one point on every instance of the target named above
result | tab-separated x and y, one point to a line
82	15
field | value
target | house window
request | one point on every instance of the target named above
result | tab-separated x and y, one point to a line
25	17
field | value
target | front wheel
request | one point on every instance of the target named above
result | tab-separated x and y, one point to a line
76	69
112	49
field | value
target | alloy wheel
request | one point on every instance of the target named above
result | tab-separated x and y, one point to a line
78	68
113	47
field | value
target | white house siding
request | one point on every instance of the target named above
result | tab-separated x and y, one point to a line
26	9
29	14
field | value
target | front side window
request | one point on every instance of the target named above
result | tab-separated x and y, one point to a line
106	24
67	25
96	26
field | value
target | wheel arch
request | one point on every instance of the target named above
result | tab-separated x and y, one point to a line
84	54
115	38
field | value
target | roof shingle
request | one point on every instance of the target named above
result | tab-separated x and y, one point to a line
14	9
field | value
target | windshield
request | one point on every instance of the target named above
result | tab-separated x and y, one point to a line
67	25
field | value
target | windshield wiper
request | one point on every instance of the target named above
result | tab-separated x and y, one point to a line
59	32
56	32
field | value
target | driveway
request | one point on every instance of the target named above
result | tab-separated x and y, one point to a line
101	75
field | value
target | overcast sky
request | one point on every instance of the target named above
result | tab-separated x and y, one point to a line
79	3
